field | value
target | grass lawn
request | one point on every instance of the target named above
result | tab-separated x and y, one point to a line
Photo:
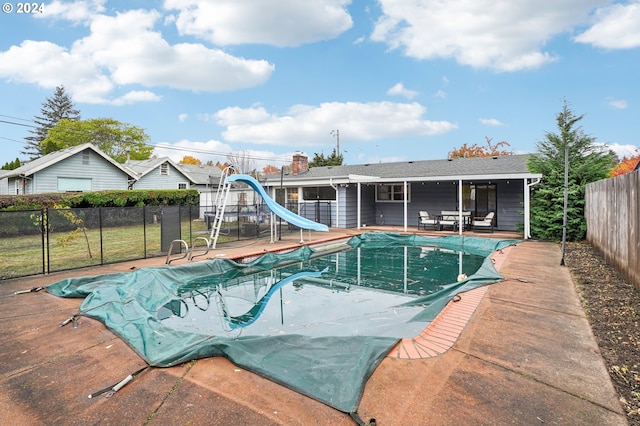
20	256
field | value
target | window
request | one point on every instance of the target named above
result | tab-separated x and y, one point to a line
164	169
74	184
85	157
286	196
392	193
326	193
183	185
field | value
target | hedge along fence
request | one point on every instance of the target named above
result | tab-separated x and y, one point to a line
612	212
130	198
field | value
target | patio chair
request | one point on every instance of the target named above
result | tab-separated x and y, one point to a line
449	218
425	220
484	224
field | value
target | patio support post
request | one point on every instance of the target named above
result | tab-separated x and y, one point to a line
406	196
460	222
526	209
359	203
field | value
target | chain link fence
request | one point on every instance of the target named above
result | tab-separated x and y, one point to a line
42	241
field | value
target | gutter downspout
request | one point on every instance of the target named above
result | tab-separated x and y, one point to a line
527	206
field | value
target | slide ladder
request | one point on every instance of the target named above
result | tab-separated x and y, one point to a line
221	203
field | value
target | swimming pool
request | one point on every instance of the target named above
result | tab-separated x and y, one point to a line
318	322
354	291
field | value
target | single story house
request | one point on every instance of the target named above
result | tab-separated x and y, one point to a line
395	193
87	168
79	168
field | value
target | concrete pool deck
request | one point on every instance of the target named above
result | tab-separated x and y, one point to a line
525	356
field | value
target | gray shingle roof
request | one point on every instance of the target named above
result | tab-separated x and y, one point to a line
501	166
197	175
43	162
200	174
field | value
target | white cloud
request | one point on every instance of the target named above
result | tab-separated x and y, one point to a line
502	35
490	122
204	151
306	125
398	89
618	104
134	54
76	11
281	23
623	150
136	96
124	50
617	26
183	117
48	65
216	151
440	94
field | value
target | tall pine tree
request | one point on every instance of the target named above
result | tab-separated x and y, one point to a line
53	110
587	163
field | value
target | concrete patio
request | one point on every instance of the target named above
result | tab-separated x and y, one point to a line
526	356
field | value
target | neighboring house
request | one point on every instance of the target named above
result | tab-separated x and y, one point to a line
79	168
159	173
394	193
4	182
206	180
87	168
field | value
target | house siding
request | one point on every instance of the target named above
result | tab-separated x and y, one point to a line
154	180
433	197
349	207
103	174
4	186
510	212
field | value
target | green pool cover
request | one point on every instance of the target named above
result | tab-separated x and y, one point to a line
330	369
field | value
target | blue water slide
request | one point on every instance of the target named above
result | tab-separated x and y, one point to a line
254	313
277	209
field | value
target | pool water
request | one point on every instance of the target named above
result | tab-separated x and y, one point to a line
358	291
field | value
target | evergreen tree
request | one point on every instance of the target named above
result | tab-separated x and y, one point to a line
320	160
12	165
587	163
52	111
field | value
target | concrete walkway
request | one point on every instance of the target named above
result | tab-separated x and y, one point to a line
527	357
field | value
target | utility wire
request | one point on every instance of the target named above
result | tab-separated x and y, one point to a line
175	148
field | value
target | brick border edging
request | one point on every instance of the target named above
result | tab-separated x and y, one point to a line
443	332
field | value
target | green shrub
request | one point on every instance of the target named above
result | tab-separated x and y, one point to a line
133	198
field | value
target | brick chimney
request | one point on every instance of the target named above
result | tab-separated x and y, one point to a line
300	163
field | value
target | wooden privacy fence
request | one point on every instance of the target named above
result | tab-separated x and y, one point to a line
612	212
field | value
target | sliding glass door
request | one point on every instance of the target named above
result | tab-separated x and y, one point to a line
480	199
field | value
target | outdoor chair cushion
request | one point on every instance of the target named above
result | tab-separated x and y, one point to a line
484	224
425	220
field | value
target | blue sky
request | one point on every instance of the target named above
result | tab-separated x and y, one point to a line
398	79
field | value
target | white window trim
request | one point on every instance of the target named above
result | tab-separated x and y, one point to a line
401	185
164	169
186	185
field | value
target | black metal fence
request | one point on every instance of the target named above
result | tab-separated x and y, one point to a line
48	240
